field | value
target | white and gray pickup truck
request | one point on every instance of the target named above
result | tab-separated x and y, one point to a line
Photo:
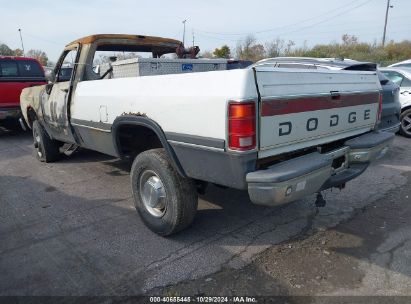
281	134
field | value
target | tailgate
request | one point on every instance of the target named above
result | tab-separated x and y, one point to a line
10	91
304	108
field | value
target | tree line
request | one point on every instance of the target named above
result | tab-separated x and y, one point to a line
40	55
251	49
348	47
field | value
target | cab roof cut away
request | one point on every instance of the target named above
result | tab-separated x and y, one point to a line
124	42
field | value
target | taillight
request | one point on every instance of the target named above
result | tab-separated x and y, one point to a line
241	126
379	109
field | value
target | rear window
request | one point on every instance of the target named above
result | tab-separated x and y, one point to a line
404	65
28	68
20	68
362	67
8	69
394	77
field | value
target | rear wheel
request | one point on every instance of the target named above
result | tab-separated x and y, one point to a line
406	123
47	150
166	201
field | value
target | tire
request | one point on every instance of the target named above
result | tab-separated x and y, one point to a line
11	125
405	119
165	201
47	150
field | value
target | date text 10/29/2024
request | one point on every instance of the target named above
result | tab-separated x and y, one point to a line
203	299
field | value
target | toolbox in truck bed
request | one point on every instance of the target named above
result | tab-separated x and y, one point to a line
161	66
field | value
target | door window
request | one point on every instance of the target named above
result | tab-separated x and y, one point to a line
67	66
406	82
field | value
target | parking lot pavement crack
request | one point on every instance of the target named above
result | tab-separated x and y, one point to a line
187	250
69	247
393	250
246	247
305	230
309	227
228	263
52	259
57	219
88	265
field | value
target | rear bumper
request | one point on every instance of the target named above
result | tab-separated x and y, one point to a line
10	113
393	129
293	179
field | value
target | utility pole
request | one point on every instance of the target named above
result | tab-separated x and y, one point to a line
21	39
386	20
193	38
184	30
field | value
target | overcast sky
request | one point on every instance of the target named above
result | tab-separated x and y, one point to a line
50	24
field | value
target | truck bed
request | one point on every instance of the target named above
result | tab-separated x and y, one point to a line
196	104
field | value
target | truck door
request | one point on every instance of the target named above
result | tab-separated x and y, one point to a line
56	101
405	92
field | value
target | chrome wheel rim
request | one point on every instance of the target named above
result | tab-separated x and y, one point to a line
152	193
406	124
37	144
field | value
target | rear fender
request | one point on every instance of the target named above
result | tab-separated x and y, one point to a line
30	99
152	125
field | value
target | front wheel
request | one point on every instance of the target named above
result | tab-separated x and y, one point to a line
406	123
47	150
166	201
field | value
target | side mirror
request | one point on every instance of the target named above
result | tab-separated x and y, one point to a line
49	87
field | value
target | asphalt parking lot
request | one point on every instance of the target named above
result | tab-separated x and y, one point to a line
70	228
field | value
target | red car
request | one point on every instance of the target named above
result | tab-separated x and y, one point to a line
16	73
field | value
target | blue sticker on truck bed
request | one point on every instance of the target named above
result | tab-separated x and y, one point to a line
187	67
